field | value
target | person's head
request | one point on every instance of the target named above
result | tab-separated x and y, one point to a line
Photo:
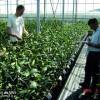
93	23
20	10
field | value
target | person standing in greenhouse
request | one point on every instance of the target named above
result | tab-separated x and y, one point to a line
93	57
15	25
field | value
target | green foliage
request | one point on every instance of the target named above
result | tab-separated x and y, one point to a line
34	65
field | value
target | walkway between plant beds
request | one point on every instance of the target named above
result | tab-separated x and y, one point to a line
72	89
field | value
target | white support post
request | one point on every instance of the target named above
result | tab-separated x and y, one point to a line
38	15
7	9
63	6
16	2
44	10
73	11
76	11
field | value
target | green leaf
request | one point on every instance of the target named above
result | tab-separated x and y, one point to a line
44	69
39	77
33	84
42	63
97	84
23	91
33	71
26	73
36	74
9	85
12	64
33	62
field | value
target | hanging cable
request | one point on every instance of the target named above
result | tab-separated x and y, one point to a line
54	11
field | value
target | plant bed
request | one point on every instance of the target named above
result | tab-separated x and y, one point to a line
38	62
57	86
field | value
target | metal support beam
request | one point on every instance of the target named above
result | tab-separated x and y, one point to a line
16	2
63	6
73	11
38	15
76	11
44	10
7	9
85	8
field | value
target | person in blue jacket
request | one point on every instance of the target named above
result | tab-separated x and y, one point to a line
92	73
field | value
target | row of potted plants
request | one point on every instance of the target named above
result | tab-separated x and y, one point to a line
32	66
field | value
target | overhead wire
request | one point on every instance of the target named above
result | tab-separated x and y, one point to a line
54	11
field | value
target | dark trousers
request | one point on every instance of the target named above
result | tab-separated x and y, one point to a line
92	68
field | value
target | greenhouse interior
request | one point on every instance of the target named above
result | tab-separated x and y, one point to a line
45	46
